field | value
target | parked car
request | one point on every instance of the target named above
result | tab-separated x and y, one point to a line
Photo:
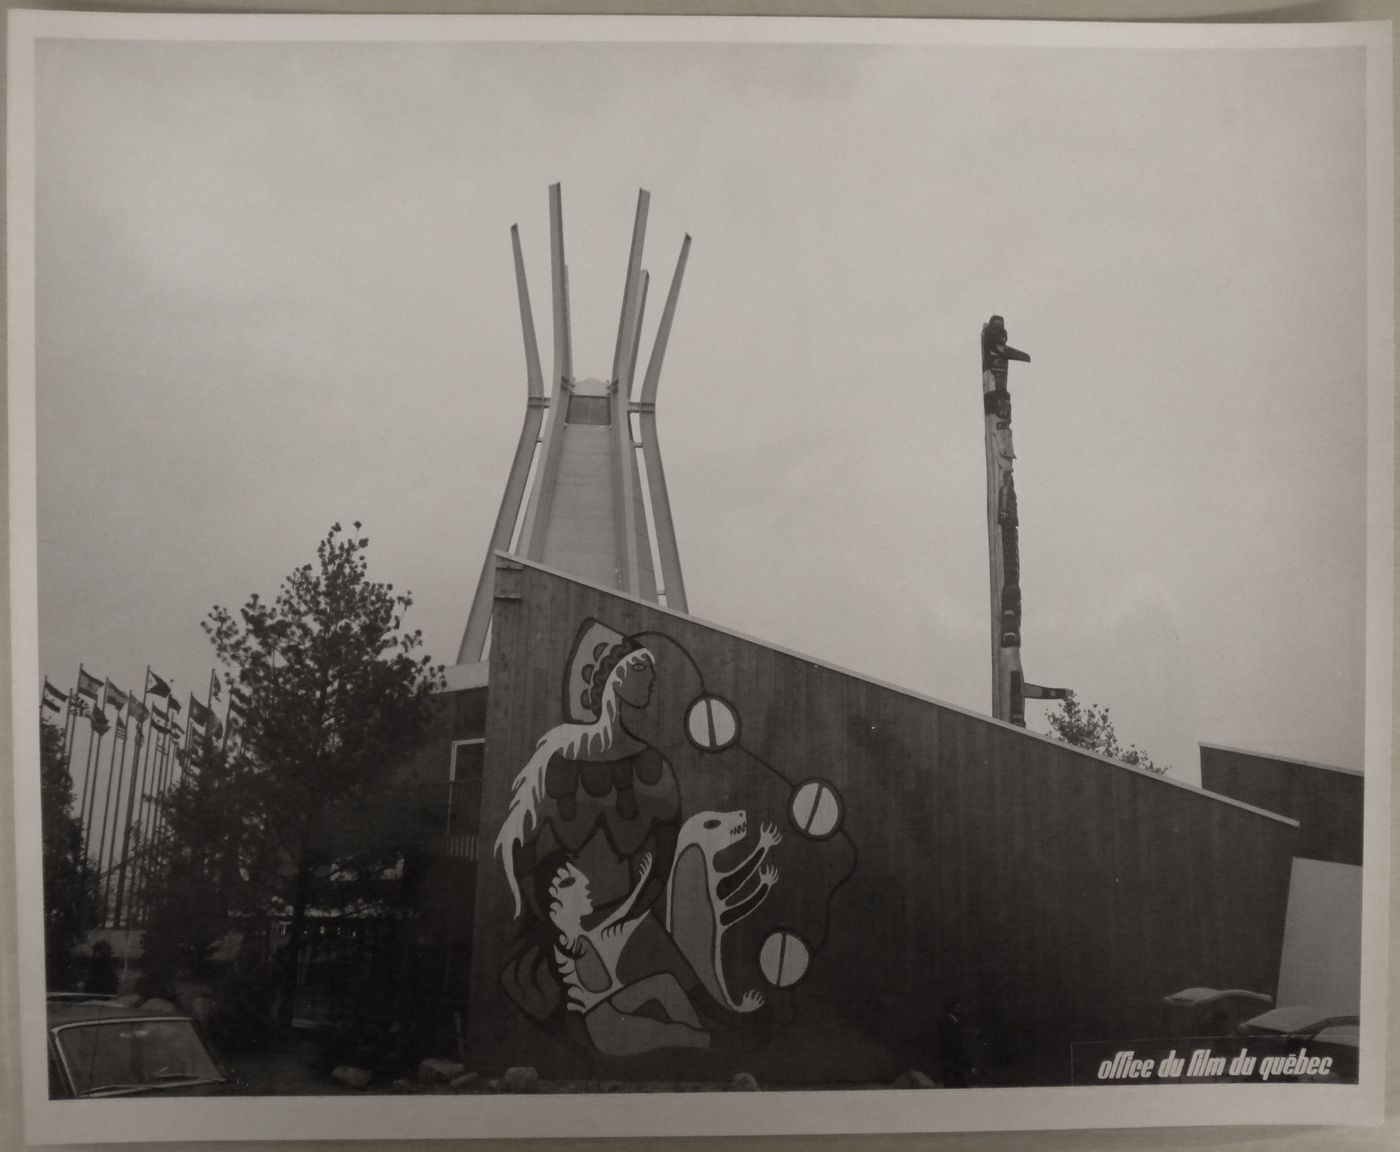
99	1048
1318	1031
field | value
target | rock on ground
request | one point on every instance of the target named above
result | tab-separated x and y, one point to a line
352	1077
743	1082
521	1079
914	1079
436	1071
466	1080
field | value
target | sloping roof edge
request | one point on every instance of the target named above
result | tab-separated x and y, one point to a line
1281	759
1025	733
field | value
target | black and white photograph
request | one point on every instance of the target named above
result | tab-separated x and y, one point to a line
527	618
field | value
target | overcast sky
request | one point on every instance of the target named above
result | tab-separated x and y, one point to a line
275	290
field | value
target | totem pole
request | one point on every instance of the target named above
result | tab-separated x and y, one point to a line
1009	688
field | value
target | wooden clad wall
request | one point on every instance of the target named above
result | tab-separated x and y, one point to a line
1326	801
1058	895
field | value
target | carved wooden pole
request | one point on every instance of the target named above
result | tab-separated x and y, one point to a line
1009	688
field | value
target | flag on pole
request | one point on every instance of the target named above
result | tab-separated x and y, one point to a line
174	705
155	686
115	696
237	703
137	710
79	706
199	714
218	728
99	721
47	703
216	691
121	729
156	719
88	686
52	693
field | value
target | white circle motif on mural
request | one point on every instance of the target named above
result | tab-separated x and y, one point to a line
816	809
712	723
783	959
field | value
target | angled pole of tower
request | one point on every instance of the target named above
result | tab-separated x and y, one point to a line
1009	688
672	581
626	495
537	513
585	511
479	618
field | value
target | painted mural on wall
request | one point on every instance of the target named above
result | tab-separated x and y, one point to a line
668	884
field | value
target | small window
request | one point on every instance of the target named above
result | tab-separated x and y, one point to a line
467	759
587	410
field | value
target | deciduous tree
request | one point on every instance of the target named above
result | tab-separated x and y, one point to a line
1089	726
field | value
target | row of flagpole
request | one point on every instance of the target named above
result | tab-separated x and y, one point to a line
124	834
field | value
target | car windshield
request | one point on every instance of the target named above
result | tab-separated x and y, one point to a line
133	1055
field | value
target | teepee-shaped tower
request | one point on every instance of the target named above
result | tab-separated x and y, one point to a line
585	510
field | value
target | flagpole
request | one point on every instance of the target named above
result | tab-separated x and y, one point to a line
141	866
85	801
69	710
214	693
151	792
189	737
131	798
97	759
138	814
111	807
85	804
146	803
118	736
158	823
87	779
172	761
88	686
115	763
73	739
109	814
89	792
71	728
209	698
143	813
141	869
162	776
87	756
185	747
153	812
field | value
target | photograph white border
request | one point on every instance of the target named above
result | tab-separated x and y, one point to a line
770	1113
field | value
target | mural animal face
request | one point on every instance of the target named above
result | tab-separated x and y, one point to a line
715	830
635	677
